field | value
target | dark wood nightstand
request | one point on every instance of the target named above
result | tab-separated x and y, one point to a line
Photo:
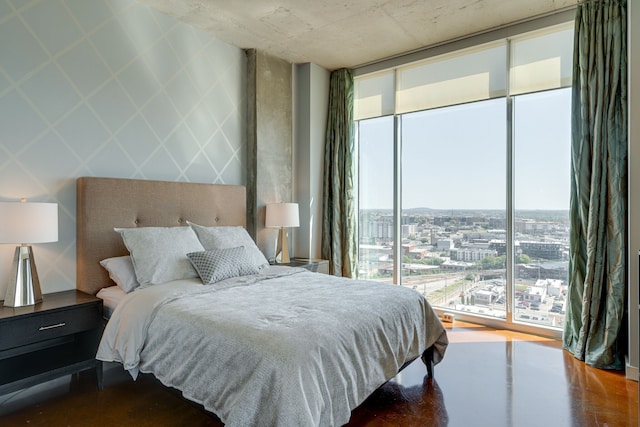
315	265
56	337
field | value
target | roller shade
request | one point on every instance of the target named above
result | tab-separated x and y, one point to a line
535	61
374	95
464	76
542	60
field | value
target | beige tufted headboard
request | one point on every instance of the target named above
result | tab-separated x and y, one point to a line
105	203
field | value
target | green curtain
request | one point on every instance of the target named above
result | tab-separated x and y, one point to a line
596	302
339	203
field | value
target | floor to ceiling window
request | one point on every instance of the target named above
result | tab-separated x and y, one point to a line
453	204
376	191
464	177
541	124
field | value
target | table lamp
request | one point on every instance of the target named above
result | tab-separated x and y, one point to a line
282	215
25	223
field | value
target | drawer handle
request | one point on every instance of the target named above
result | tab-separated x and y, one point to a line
57	325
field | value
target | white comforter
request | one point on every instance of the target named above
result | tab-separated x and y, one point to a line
284	348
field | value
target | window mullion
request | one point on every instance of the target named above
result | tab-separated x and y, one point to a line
397	199
510	243
509	223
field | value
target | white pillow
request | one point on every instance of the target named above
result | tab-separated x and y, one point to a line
219	264
159	254
223	237
121	271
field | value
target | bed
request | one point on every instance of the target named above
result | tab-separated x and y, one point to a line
257	345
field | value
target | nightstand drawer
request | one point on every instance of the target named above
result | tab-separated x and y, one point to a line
48	325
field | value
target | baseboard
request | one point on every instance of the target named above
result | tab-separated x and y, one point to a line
631	372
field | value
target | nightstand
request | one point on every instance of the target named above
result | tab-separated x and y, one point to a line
56	337
315	265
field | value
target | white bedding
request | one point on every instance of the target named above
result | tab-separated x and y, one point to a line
283	348
111	297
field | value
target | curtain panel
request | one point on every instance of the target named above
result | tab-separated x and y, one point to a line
596	304
339	239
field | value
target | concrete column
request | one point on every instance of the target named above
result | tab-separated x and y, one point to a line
269	142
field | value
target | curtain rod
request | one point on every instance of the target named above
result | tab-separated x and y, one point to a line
565	14
603	2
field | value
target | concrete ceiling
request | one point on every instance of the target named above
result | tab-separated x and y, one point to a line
340	33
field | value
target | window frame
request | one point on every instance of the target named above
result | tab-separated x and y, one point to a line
560	20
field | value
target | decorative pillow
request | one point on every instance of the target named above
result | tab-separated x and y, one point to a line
222	237
121	272
159	254
219	264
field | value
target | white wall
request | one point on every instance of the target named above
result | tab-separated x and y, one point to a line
110	88
311	104
633	13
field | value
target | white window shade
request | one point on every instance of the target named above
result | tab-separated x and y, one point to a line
374	95
542	60
464	76
532	62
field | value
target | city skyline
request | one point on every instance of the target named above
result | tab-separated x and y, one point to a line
457	259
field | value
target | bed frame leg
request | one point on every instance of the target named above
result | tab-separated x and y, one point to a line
427	358
99	374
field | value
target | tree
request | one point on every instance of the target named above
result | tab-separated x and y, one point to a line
491	263
523	259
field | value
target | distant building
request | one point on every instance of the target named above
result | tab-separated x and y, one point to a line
544	250
377	229
554	287
445	245
483	296
500	246
409	268
534	294
408	230
529	271
527	226
472	254
497	222
546	270
375	253
456	265
417	253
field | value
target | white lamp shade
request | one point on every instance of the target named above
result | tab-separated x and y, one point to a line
28	222
282	215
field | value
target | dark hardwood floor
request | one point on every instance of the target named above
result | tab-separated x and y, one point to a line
488	378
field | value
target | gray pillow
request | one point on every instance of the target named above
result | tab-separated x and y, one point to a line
121	271
219	264
159	254
222	237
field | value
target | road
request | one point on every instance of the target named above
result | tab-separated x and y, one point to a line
428	284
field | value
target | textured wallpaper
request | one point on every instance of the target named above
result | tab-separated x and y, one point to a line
110	88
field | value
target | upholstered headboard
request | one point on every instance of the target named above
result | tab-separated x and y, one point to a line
105	203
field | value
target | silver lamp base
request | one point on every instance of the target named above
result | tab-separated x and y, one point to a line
24	285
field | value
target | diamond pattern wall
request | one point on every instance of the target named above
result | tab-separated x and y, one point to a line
110	88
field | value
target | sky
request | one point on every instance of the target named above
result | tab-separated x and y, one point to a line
456	157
